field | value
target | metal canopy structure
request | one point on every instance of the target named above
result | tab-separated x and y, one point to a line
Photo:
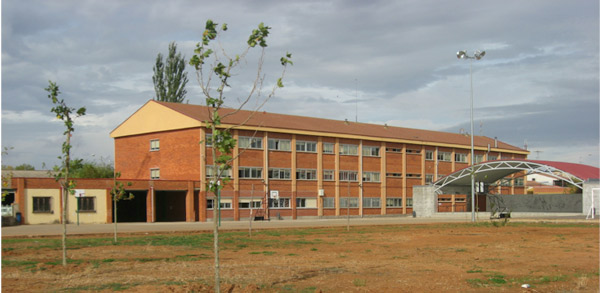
492	171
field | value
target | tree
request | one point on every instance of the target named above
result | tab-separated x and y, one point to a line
90	169
26	167
118	193
170	79
63	112
221	67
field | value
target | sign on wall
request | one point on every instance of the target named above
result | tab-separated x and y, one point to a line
79	193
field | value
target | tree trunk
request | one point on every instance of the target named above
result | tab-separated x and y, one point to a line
65	196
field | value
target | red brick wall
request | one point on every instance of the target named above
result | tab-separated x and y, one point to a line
177	159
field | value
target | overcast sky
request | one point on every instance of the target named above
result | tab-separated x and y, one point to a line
393	60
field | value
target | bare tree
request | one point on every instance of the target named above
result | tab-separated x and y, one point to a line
221	68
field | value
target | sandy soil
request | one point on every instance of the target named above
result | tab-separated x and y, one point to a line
415	258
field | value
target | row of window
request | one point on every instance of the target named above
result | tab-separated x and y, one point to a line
88	204
328	148
43	204
277	144
458	157
328	202
302	174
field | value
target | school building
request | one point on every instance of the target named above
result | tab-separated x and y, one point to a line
287	166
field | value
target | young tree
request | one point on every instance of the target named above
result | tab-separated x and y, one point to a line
170	79
221	67
118	193
63	112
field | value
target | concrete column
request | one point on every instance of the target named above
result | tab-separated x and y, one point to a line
294	179
383	177
202	166
319	176
109	207
202	205
360	177
190	214
424	201
150	208
337	177
591	188
404	179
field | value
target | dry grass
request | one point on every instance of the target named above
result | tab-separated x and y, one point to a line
380	258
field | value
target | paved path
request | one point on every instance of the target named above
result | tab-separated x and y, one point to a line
83	229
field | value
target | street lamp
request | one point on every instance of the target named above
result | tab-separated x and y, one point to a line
477	56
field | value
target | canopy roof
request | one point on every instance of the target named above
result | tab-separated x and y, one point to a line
492	171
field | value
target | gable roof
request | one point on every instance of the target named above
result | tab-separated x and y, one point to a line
327	127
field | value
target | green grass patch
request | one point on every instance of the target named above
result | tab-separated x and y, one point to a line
359	282
263	252
17	263
109	286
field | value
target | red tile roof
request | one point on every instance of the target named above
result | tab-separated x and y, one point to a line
300	123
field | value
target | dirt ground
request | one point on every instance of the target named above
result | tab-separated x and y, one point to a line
408	258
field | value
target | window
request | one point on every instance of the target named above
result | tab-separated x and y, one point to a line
413	175
155	173
280	144
344	202
328	148
519	182
348	176
154	145
225	203
408	151
86	204
210	172
306	202
281	203
409	202
250	172
245	203
280	173
492	158
348	149
371	202
460	158
394	175
429	155
250	142
393	202
444	156
478	159
328	175
306	146
370	151
306	174
428	178
208	140
328	202
371	176
393	150
42	204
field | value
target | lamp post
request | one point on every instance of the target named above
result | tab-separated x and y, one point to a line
477	56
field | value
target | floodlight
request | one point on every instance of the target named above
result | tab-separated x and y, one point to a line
461	54
479	54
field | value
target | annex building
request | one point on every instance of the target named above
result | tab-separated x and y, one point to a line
288	166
